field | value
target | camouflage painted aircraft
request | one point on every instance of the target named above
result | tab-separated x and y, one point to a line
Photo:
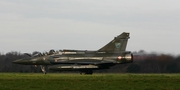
83	60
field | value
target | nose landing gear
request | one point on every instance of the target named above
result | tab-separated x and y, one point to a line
43	69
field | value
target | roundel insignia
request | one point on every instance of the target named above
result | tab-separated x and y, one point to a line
119	58
118	45
44	58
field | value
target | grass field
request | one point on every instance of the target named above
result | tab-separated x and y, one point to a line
34	81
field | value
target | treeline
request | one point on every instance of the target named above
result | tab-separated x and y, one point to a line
6	64
143	63
150	63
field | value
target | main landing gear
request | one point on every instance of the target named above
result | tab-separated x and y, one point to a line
90	72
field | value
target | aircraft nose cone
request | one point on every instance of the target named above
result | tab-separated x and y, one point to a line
17	61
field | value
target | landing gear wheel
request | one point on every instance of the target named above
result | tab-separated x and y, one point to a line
43	69
86	72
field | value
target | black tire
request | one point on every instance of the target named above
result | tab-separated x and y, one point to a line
86	72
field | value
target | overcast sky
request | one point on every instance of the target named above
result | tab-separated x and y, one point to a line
41	25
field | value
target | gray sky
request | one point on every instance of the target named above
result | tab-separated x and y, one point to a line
41	25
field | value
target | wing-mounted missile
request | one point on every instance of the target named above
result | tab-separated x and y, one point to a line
72	67
66	51
84	69
69	50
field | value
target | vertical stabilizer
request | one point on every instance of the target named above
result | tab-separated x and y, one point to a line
118	44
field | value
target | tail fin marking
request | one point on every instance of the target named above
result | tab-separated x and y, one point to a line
118	44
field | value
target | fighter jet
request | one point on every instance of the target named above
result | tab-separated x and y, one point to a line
84	61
